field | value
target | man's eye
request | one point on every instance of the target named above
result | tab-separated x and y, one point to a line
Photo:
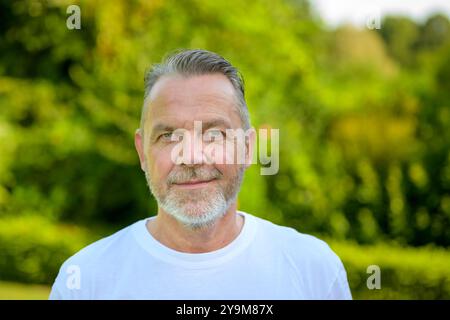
171	136
166	136
214	135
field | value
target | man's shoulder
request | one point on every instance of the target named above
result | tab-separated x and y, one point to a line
77	273
101	249
307	257
299	245
317	266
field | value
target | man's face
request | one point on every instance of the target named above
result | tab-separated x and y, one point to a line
199	189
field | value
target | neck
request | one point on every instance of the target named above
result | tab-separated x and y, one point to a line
171	233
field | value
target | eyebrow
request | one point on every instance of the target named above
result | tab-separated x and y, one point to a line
162	127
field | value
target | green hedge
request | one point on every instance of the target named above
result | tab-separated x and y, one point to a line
32	250
406	273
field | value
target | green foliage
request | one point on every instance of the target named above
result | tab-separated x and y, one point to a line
19	291
32	249
406	273
401	35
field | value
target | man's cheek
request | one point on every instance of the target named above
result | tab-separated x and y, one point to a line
226	170
158	170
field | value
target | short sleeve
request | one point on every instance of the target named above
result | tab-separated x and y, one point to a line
55	294
57	290
65	289
340	289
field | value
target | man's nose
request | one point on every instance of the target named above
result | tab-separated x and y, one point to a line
193	150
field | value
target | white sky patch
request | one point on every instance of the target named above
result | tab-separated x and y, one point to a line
336	12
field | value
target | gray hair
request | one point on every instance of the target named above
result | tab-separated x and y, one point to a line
198	62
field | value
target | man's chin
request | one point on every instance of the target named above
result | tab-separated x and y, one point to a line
195	220
196	213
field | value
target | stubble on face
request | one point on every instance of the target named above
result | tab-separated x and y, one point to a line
200	207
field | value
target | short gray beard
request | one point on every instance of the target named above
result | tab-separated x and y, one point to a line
204	208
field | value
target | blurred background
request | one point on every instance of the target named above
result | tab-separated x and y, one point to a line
361	96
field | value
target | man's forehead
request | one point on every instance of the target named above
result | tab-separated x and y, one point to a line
173	88
198	98
191	102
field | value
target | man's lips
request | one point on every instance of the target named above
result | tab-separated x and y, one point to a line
194	183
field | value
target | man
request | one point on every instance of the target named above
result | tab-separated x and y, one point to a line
199	246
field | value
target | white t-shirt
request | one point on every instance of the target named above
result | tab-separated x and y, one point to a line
265	261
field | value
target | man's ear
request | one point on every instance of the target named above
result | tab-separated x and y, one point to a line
250	143
139	145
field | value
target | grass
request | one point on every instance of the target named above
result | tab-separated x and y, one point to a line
19	291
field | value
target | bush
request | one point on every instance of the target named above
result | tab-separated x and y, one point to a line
32	249
406	273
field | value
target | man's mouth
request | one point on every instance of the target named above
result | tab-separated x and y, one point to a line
194	183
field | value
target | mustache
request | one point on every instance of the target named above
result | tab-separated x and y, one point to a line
191	173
